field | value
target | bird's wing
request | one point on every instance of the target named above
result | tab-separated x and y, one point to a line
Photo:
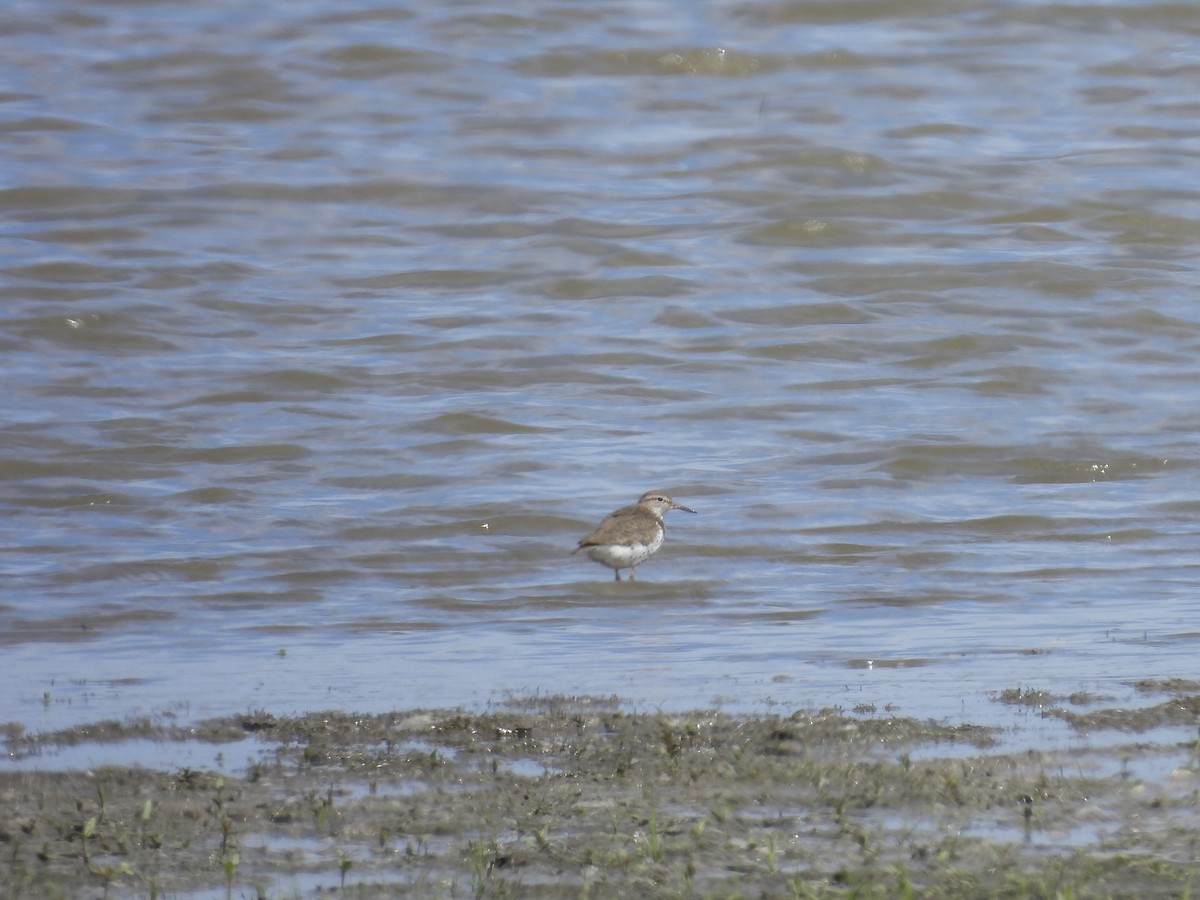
603	532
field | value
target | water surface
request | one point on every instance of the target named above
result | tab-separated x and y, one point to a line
328	330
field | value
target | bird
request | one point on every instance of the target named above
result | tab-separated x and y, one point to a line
632	534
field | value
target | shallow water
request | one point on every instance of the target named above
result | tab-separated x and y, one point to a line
328	331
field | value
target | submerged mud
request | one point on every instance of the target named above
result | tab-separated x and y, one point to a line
556	797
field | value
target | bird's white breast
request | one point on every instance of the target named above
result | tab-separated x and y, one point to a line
624	556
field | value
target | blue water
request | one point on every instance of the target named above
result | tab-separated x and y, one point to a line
328	331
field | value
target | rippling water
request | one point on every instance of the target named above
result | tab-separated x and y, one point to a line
328	330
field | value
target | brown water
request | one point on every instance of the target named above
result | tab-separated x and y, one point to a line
327	330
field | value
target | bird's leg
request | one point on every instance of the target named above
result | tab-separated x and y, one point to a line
617	574
633	573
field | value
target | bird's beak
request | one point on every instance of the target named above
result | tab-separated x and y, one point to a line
675	505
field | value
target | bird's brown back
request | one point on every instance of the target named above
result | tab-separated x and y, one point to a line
619	527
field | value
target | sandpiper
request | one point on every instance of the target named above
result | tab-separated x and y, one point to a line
631	535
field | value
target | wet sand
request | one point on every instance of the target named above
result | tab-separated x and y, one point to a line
580	797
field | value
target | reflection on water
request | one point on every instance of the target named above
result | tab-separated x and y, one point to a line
328	332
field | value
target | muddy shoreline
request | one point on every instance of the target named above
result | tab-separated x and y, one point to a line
578	797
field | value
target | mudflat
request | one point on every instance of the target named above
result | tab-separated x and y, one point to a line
582	797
